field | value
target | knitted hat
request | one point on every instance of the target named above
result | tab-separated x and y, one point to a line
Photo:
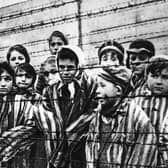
112	45
142	45
118	75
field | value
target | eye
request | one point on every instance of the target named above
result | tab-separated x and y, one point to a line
21	58
70	67
19	75
114	57
28	76
133	57
13	58
8	78
154	75
165	77
62	67
104	57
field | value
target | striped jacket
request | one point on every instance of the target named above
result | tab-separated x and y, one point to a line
132	142
156	107
14	111
55	116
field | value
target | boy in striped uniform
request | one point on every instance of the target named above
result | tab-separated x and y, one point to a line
152	97
120	135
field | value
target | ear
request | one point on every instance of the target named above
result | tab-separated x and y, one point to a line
119	90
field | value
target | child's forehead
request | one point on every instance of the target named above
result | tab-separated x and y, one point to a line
160	69
4	72
66	61
100	80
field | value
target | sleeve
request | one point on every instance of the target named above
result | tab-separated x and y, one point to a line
144	149
16	140
163	141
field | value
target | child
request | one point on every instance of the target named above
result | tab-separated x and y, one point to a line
139	53
56	40
16	55
48	74
6	79
111	53
118	133
153	94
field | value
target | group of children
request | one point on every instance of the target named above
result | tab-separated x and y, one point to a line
118	118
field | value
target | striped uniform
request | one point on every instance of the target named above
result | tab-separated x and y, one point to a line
132	142
14	109
156	107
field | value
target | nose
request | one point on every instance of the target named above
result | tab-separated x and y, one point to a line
2	83
97	91
23	78
159	80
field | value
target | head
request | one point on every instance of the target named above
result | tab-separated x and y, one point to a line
111	53
56	40
49	70
7	76
139	53
67	63
157	75
25	76
112	85
16	55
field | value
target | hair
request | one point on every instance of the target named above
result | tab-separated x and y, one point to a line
4	66
28	69
60	35
66	53
156	66
21	49
112	43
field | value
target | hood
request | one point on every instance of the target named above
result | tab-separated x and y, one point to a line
77	50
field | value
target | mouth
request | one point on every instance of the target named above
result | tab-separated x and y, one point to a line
2	90
23	84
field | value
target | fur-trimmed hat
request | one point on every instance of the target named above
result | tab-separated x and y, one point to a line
112	45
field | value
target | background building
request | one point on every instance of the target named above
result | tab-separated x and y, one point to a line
86	23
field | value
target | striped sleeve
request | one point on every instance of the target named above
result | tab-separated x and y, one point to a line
144	149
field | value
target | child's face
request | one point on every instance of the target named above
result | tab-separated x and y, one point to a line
106	91
67	70
138	62
158	82
16	58
110	57
6	83
50	72
23	79
55	44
